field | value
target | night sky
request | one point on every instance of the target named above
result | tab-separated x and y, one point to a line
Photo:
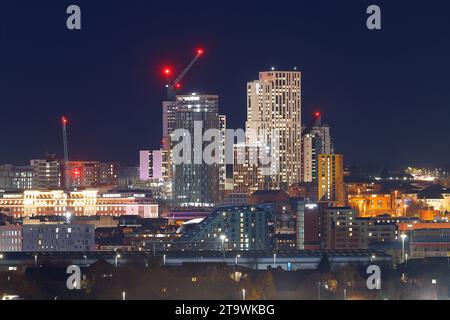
385	94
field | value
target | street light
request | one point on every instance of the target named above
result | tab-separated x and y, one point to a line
372	258
123	295
164	259
35	260
318	290
243	294
117	259
223	237
68	216
1	256
403	236
237	257
85	259
274	259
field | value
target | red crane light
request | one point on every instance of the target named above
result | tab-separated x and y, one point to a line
317	114
64	120
167	71
76	173
200	51
178	85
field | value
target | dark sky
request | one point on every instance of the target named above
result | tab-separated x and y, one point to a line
385	94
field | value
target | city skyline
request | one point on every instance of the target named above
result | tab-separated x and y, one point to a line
122	89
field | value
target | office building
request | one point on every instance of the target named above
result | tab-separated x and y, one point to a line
58	238
11	238
90	174
90	202
47	237
16	177
308	224
340	229
47	174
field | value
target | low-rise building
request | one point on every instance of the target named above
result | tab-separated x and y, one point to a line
11	238
78	203
47	237
231	228
16	177
430	242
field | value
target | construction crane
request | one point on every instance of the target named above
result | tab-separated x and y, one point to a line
317	116
64	130
175	84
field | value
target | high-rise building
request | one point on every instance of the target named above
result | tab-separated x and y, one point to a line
168	114
195	183
274	119
316	140
47	174
247	177
307	226
222	161
330	179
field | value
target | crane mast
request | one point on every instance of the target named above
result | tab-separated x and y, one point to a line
173	85
64	130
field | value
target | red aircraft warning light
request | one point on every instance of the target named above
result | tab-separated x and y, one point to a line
63	120
200	51
167	71
317	114
178	85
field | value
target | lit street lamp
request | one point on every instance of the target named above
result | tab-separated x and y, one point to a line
35	260
164	259
237	257
403	236
68	216
123	295
117	259
243	294
274	259
85	260
318	290
223	237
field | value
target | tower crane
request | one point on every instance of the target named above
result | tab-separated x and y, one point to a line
317	116
64	130
175	84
